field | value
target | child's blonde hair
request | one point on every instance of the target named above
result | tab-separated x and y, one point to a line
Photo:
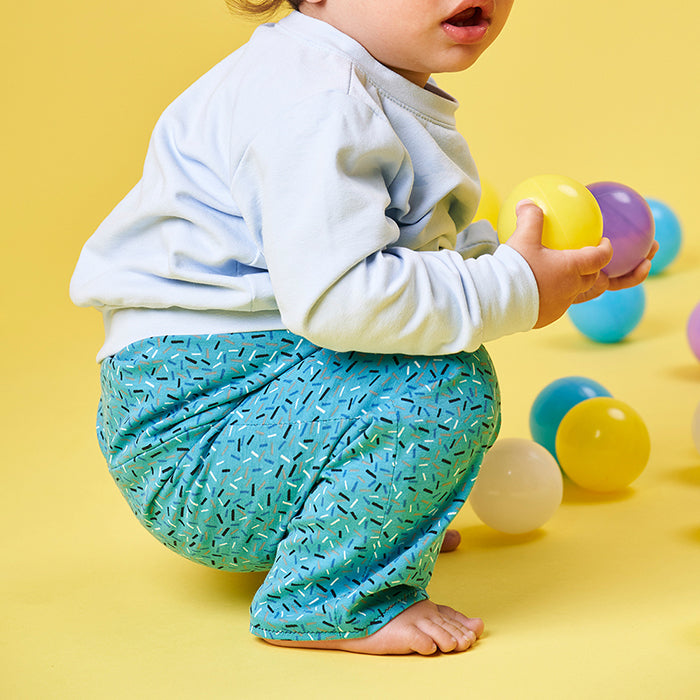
260	7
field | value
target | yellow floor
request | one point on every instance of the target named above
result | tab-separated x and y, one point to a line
603	602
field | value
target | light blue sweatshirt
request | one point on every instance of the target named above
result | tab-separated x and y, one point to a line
301	184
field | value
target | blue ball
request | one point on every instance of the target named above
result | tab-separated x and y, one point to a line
667	234
610	317
554	402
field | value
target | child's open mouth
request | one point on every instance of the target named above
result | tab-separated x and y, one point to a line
466	18
469	26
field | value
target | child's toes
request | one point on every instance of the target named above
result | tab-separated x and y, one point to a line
463	635
442	637
474	624
422	642
468	640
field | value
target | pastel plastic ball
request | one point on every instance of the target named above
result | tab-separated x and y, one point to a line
693	331
572	217
603	444
518	488
627	222
695	428
668	234
612	316
489	204
554	402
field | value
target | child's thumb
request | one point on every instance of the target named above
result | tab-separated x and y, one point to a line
530	219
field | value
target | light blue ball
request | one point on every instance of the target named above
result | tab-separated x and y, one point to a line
610	317
555	401
667	232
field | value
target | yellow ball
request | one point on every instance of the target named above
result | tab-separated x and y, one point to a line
602	444
572	217
489	204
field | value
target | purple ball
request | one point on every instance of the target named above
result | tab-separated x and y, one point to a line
627	222
694	331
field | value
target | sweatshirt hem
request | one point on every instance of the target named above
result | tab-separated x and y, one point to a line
126	326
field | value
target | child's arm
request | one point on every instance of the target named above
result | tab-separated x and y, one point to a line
566	277
330	198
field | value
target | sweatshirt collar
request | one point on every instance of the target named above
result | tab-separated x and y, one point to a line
430	100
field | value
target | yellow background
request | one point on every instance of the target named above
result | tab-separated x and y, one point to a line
602	602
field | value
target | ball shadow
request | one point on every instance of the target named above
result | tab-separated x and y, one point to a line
575	495
685	373
483	537
689	476
692	534
575	341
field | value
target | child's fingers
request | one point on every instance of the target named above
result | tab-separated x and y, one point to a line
593	259
633	278
594	286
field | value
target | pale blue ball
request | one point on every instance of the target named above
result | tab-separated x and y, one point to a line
667	233
610	317
554	402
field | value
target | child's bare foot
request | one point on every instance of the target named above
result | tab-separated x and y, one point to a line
424	628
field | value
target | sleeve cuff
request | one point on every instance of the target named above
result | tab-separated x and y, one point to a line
510	298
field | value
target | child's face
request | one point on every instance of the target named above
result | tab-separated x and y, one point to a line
417	37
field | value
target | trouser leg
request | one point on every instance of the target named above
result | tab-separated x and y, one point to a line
338	471
363	547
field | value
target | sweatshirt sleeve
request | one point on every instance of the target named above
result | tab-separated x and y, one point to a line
320	207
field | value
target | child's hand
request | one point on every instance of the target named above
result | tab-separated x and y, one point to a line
636	276
564	277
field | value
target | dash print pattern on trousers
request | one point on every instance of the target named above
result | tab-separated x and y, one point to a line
336	472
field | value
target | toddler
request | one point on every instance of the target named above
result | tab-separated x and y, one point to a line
295	303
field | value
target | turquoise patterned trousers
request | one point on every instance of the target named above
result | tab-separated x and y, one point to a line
336	472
